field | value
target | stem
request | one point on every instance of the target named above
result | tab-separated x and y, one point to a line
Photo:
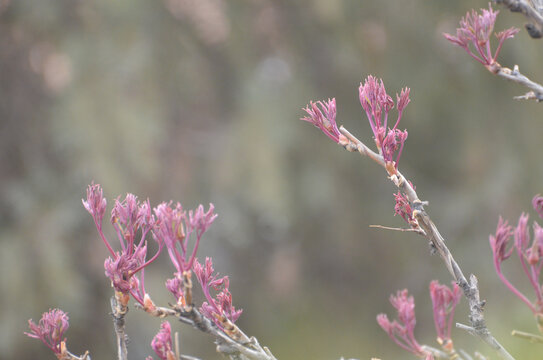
470	289
533	338
532	14
512	288
244	348
118	311
515	76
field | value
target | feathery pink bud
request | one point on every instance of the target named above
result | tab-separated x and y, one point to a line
175	228
96	203
322	114
537	203
221	305
50	329
476	29
444	301
131	219
402	331
530	256
162	342
377	104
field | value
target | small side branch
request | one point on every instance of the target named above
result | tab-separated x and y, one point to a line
527	336
514	75
118	311
233	343
245	348
418	231
535	29
69	356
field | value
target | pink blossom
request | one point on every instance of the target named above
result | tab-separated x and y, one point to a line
476	29
162	342
50	329
402	331
220	306
403	208
322	114
537	203
377	104
132	221
530	254
175	227
444	301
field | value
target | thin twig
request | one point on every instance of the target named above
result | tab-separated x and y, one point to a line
240	348
187	357
515	76
118	311
395	228
533	14
528	336
69	356
470	289
465	354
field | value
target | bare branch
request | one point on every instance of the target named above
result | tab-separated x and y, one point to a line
515	76
118	311
236	345
531	337
69	356
465	354
533	13
470	289
418	231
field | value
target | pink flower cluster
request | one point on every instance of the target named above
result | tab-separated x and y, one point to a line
402	331
475	30
322	114
507	240
50	330
162	343
170	226
444	301
218	308
130	219
403	208
377	104
175	227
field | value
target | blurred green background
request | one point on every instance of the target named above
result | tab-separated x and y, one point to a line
198	101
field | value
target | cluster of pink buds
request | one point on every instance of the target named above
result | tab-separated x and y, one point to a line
219	308
50	330
403	208
130	219
444	301
476	29
507	240
377	104
322	114
402	332
175	227
162	343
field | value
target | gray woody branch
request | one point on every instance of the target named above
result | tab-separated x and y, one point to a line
236	344
532	9
515	76
428	229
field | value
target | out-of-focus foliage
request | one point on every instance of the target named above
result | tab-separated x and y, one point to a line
198	101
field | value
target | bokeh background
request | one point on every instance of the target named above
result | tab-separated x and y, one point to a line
198	101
